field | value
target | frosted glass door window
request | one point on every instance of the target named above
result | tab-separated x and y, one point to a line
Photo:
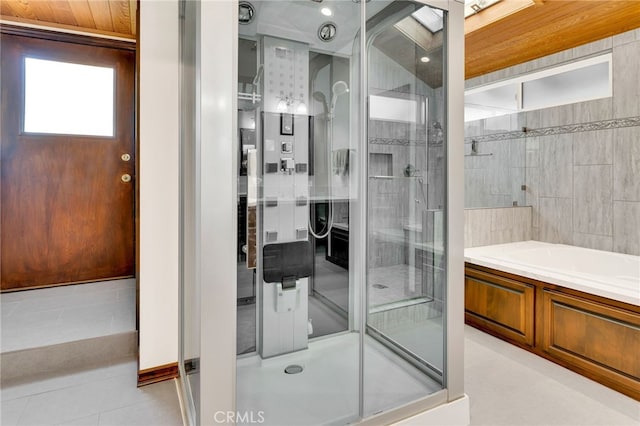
68	98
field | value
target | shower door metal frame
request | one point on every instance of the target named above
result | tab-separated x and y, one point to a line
453	368
216	45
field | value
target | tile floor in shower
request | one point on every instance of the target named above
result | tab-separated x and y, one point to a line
387	284
331	363
330	373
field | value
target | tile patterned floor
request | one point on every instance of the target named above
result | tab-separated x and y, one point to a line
103	396
388	284
512	387
506	386
54	315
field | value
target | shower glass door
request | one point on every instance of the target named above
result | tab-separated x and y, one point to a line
341	183
298	350
405	285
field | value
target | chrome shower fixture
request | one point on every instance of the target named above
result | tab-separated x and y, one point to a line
339	88
246	12
327	31
320	97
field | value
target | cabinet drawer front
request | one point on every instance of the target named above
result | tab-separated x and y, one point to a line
595	337
500	305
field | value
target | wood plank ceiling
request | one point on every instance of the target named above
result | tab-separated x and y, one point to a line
506	34
543	28
104	17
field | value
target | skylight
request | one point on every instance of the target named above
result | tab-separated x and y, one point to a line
430	18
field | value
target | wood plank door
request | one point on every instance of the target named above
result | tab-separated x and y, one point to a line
67	194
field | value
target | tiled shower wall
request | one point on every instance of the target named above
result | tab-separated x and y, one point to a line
397	201
483	227
582	168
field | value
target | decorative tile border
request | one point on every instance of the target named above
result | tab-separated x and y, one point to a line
400	142
558	130
404	142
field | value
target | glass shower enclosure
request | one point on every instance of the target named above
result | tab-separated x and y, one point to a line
342	210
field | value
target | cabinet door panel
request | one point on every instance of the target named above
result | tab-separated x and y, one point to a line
594	337
500	305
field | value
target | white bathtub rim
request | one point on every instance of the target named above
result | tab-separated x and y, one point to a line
487	256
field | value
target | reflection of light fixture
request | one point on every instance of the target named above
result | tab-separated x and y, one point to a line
326	11
282	106
291	104
425	59
301	109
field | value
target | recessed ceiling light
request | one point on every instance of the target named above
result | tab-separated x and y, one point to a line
326	11
425	59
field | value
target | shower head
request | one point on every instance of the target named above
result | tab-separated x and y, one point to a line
320	97
339	88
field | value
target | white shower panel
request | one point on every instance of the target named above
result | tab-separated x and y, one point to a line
286	76
285	197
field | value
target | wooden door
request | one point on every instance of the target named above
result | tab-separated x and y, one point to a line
67	213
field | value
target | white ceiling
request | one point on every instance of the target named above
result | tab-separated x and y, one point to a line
300	20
